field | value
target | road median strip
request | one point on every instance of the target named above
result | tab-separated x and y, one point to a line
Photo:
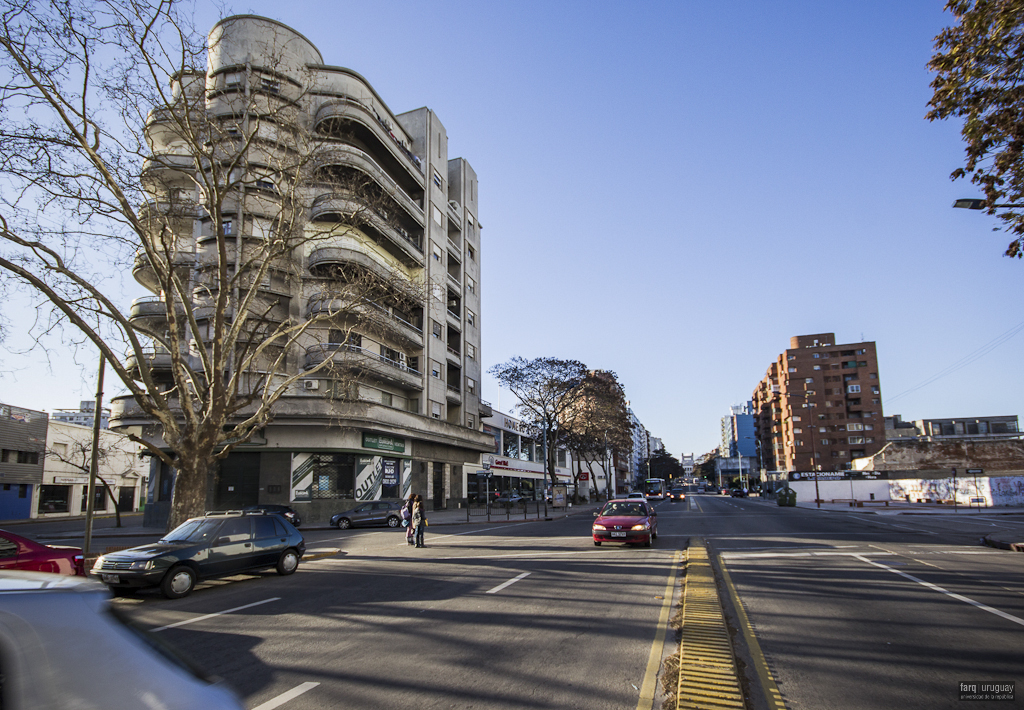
708	677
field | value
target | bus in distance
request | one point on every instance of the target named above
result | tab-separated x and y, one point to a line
654	488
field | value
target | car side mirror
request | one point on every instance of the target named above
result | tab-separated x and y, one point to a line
595	513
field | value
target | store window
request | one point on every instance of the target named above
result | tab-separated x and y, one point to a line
334	475
511	445
99	494
54	499
496	433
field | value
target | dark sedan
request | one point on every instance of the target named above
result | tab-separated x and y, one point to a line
283	510
215	545
377	512
17	552
627	520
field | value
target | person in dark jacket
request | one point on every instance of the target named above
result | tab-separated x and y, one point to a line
419	520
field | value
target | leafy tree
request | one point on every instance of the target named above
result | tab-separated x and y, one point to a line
662	464
114	146
547	389
979	65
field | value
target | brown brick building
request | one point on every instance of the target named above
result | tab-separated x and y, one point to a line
819	402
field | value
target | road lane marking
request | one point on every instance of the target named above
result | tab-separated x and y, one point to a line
937	588
285	697
509	583
809	553
649	686
210	616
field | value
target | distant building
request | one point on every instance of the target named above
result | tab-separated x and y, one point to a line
516	462
738	434
819	405
83	416
959	428
688	461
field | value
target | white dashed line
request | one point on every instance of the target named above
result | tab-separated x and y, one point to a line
285	697
506	584
210	616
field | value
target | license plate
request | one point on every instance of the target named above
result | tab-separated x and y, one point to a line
110	578
615	534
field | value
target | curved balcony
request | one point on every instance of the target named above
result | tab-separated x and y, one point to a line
364	362
150	310
157	358
167	169
146	274
320	260
453	394
347	115
400	329
347	156
405	244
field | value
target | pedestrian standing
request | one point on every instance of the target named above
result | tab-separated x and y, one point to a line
410	530
419	520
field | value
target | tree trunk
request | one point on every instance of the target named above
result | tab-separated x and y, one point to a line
189	496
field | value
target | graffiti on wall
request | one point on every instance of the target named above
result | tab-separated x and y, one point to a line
985	490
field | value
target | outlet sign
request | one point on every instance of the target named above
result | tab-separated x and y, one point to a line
381	442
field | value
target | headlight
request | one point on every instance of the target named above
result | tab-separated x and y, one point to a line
641	526
143	565
99	563
599	527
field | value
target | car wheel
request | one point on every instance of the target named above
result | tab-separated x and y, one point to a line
288	563
344	524
178	582
648	542
597	543
393	521
654	535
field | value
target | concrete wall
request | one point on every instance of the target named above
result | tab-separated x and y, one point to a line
1005	491
1004	455
841	490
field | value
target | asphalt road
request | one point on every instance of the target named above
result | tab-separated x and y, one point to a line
516	615
851	610
855	610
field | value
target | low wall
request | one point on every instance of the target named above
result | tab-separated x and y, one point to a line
841	490
1007	491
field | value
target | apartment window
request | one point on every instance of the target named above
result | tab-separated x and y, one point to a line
435	369
869	440
809	380
470	284
385	399
824	442
471	252
874	389
791	357
437	330
471	422
471	385
435	410
470	351
856	439
817	367
227	227
232	80
266	185
796	419
873	375
817	355
798	431
825	356
853	389
792	369
271	86
436	252
876	401
854	427
470	317
437	179
438	218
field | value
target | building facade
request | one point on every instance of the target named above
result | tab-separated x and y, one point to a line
819	406
1001	427
516	463
83	416
22	453
392	402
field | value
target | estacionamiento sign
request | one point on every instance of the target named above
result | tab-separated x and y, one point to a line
838	475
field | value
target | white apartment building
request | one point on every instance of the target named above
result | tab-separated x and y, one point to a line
397	410
516	462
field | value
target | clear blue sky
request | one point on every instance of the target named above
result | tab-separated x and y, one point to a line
670	190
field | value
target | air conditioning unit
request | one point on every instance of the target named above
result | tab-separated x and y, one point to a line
311	384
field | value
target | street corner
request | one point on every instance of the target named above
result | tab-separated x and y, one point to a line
1001	541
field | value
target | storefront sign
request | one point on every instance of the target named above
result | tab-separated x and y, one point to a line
390	472
838	475
584	475
383	443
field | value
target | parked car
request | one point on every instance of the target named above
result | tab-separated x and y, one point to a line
626	520
215	545
739	493
63	645
377	512
509	498
676	494
17	552
283	510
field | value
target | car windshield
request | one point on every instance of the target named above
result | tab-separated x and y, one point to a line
196	530
624	509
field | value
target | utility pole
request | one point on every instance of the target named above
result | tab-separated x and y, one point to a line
94	466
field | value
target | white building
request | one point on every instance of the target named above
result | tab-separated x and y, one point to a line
66	464
516	462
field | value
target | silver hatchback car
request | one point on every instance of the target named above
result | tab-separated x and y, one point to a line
62	645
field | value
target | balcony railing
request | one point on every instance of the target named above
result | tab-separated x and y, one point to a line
344	353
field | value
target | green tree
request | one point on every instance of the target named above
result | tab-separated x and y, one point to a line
979	66
598	424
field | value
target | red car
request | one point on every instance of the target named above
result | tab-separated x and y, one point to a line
629	520
17	552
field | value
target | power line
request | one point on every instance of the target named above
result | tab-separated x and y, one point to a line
964	361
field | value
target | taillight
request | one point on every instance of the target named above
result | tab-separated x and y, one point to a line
80	565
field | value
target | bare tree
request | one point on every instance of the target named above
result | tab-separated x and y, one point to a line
547	389
598	423
120	153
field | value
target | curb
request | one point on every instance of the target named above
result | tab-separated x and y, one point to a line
1002	544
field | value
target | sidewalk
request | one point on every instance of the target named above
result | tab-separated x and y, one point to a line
899	507
131	523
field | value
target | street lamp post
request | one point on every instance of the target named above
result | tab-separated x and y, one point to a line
814	449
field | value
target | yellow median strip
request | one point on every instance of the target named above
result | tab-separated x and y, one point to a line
707	667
